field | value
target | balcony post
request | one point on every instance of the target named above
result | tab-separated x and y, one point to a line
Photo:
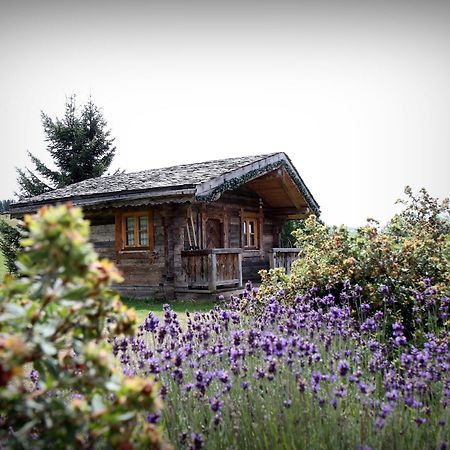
212	259
239	255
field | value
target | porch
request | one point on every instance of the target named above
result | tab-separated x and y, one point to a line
219	270
283	257
212	270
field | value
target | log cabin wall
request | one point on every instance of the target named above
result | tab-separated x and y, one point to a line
177	230
147	273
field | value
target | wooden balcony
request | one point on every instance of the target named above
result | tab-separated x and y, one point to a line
283	257
213	269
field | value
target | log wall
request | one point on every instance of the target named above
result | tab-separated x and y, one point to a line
145	272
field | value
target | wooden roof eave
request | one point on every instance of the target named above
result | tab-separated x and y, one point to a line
120	199
212	189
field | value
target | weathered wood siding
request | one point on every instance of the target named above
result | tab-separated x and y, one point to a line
145	271
231	206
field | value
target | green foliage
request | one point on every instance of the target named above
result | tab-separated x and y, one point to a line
273	282
4	205
80	145
415	245
60	386
2	265
286	238
9	244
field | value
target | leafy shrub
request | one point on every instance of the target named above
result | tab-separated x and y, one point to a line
273	282
389	262
59	384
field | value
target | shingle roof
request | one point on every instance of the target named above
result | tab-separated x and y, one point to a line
184	175
183	179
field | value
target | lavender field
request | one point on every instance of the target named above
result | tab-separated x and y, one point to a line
319	372
351	351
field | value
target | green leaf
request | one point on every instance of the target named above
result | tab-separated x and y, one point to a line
14	309
46	329
97	404
112	386
48	348
126	416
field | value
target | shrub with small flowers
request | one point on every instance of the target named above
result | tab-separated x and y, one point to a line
60	386
392	264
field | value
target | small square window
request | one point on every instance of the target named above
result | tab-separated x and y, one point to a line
136	230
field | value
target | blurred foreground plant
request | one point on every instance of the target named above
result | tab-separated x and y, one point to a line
59	384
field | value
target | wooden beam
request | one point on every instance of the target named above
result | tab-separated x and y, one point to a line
302	211
291	190
212	260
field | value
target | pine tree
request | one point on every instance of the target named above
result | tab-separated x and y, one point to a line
79	144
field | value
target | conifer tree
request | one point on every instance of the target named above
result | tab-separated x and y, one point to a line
80	145
4	205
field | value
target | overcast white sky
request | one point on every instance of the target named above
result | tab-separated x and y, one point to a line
357	93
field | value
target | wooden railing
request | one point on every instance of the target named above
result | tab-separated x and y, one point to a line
283	257
212	269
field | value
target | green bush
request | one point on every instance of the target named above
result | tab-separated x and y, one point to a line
60	386
9	244
390	263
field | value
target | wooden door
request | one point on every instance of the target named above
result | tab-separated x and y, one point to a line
214	235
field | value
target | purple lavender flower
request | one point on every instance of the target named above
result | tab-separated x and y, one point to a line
215	404
400	340
397	328
34	377
363	388
154	417
196	441
383	289
217	419
392	395
379	424
343	367
151	322
223	376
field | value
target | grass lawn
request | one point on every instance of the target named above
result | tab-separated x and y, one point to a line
144	306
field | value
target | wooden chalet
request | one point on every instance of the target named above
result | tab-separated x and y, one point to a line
191	229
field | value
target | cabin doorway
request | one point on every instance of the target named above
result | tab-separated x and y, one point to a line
214	235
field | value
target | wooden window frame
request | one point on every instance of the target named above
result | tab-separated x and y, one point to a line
121	230
245	224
